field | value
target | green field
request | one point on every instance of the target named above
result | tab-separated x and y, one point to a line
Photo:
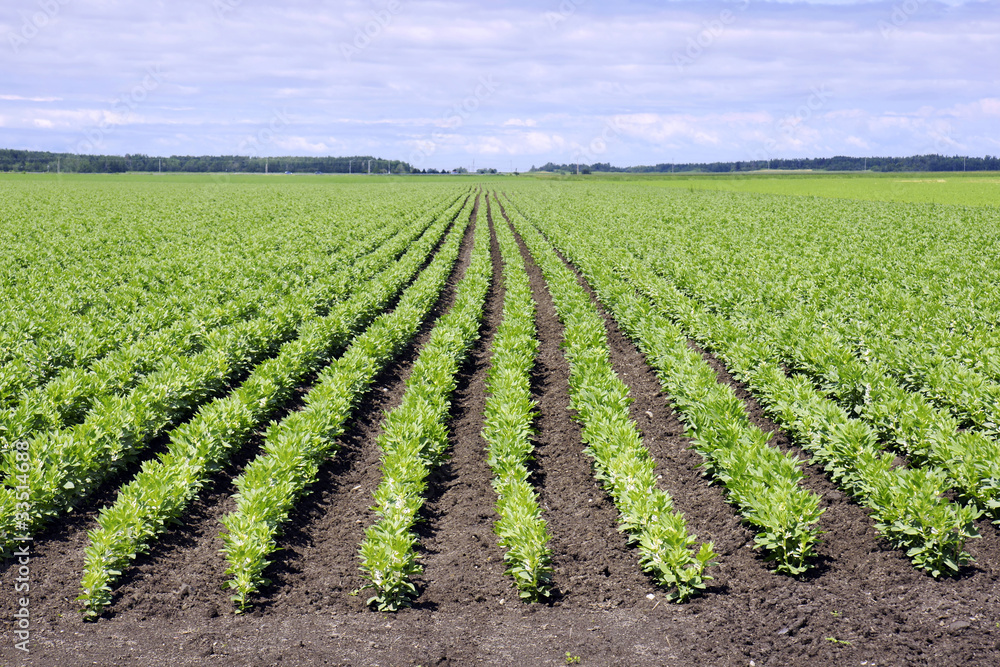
960	189
164	335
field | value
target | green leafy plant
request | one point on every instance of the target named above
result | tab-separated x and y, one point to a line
164	488
414	438
507	428
621	462
295	447
760	480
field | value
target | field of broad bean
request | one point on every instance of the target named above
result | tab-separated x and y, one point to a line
392	421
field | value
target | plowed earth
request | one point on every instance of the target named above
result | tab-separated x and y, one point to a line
863	604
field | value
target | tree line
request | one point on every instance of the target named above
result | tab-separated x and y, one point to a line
838	163
40	161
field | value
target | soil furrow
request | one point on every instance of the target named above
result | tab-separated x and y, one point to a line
318	568
194	581
594	568
858	576
463	564
181	578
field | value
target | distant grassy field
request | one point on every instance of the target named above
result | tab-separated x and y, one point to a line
963	189
968	189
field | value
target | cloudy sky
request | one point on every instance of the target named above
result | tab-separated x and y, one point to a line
506	84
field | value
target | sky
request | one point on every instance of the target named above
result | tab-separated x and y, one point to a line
509	85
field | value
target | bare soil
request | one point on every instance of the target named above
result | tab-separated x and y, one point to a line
863	604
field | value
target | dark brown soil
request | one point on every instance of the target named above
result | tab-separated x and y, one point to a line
863	605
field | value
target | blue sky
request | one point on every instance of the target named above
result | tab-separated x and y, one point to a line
509	84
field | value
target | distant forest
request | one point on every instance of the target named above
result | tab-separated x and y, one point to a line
35	161
839	163
39	161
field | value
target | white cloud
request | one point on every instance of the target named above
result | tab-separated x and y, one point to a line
21	98
557	86
857	141
301	144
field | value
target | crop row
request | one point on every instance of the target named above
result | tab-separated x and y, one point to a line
66	399
62	467
905	420
414	437
907	504
864	357
507	427
164	487
621	461
908	287
295	447
113	283
759	479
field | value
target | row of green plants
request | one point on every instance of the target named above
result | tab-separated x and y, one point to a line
941	344
924	340
114	264
198	449
295	447
760	480
908	286
622	463
907	504
906	421
103	291
508	419
65	466
749	247
65	400
815	344
964	382
414	438
955	371
935	348
908	349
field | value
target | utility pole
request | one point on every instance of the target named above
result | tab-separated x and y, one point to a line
58	165
369	167
266	166
350	166
965	161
